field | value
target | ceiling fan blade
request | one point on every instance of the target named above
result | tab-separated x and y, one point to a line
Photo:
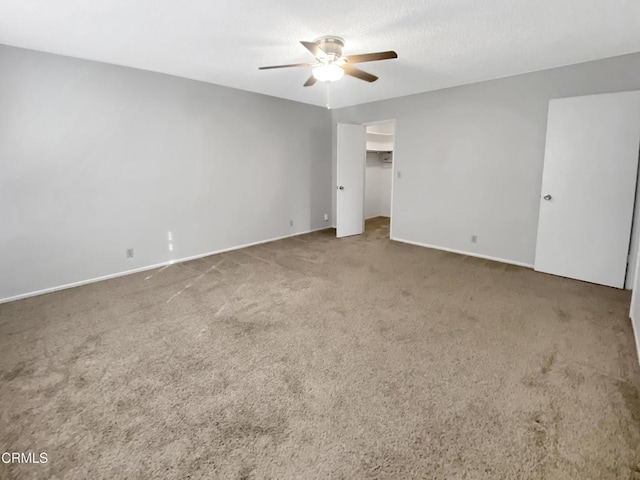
287	66
310	81
361	74
314	49
371	57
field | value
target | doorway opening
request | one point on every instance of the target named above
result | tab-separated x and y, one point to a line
378	181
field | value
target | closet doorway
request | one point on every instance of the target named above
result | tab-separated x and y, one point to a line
378	182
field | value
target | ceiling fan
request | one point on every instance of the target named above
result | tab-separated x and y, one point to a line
330	65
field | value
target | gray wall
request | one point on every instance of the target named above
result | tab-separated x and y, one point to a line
471	157
95	159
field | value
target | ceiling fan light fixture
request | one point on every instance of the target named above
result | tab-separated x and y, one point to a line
328	73
331	65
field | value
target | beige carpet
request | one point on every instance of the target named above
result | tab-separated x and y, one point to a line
314	357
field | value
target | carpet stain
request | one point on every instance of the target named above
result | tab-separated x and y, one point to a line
80	382
294	383
242	427
573	376
548	363
539	433
247	329
246	473
631	397
563	315
87	347
15	372
465	315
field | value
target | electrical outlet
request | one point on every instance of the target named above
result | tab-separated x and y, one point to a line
129	252
474	238
326	217
291	223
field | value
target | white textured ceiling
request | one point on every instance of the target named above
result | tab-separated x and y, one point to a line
440	43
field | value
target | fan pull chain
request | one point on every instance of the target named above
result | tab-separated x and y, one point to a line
328	95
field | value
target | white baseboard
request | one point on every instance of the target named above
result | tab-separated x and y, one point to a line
148	267
462	252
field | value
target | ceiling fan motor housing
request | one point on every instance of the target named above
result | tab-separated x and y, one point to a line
332	46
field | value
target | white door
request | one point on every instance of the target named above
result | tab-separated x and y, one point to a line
588	187
352	154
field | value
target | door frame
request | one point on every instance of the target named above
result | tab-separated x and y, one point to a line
393	166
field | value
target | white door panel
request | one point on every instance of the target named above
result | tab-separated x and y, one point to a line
588	187
352	154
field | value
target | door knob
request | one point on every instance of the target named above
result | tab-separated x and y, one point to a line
340	187
547	197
